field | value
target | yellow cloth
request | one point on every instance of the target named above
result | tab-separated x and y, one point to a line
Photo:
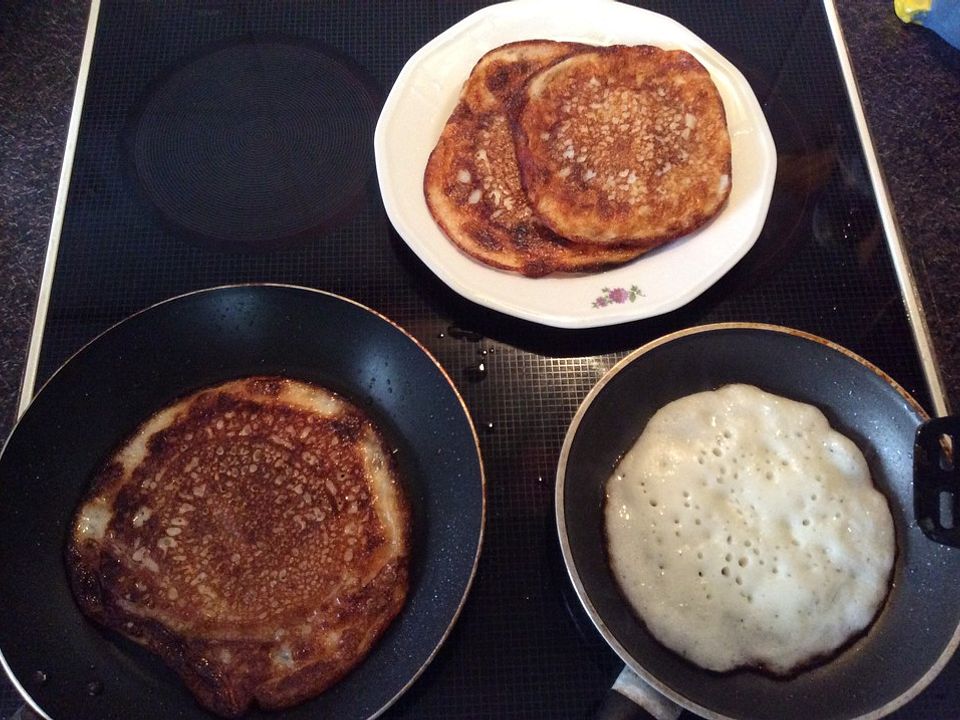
912	10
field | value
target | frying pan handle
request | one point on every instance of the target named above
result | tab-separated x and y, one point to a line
619	707
24	713
936	479
631	698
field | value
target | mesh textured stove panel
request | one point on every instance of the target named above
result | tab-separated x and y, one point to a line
522	648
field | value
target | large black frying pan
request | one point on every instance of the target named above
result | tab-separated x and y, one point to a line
72	670
917	630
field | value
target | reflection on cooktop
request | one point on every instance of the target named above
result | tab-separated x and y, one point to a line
802	169
254	142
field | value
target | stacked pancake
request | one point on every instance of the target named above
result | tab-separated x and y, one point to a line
563	157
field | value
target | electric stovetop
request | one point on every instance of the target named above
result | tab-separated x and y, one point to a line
156	209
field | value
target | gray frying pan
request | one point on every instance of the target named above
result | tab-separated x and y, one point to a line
67	667
917	630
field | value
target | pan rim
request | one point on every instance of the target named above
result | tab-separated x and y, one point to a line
474	561
921	683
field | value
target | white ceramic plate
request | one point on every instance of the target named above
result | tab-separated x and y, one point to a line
425	94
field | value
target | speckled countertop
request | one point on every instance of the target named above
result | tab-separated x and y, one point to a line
909	80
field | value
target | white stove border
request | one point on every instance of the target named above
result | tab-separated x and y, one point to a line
59	208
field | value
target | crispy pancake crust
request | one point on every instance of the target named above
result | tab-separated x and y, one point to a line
472	181
254	535
623	145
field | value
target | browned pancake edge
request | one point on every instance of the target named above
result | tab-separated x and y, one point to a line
254	535
472	181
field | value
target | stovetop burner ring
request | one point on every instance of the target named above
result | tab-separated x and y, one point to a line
255	142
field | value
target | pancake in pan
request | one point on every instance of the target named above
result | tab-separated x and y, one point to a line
623	145
746	532
472	182
254	535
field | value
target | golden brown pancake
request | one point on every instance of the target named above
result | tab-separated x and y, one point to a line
472	182
254	535
623	145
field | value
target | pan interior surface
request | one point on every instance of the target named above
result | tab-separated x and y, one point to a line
914	632
170	350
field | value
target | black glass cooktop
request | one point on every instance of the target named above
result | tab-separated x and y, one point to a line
232	142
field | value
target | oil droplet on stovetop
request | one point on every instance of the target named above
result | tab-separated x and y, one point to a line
94	688
40	677
477	372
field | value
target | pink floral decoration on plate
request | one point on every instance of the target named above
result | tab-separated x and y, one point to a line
617	296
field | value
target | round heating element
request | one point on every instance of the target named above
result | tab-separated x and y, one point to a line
255	142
